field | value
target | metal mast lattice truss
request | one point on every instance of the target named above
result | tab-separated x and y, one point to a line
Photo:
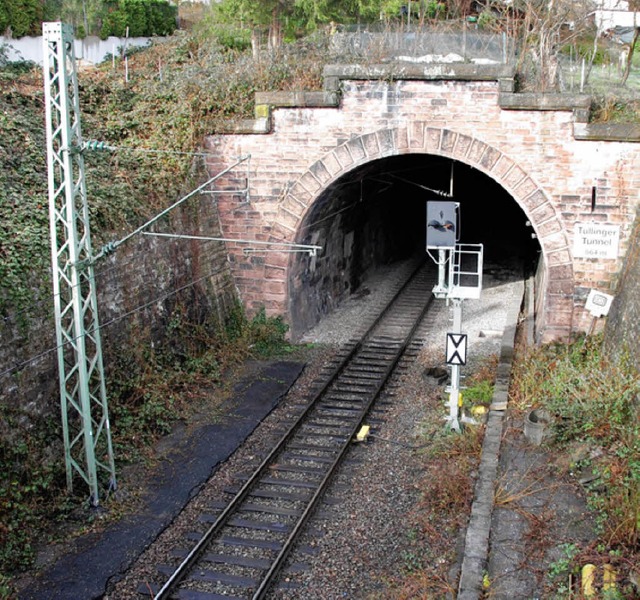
85	419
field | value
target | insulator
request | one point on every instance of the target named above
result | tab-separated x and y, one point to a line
96	145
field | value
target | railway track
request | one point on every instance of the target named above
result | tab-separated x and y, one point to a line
250	537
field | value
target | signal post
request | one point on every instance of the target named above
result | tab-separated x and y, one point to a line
459	277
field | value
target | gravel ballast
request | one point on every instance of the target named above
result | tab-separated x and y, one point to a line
369	534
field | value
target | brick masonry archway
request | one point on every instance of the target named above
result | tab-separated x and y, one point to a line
555	279
561	170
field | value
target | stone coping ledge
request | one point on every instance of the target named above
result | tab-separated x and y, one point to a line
299	99
533	101
579	104
260	125
504	74
419	71
614	132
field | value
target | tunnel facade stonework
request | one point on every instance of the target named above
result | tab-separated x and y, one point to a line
561	170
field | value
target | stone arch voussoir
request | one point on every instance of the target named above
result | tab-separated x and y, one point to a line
420	137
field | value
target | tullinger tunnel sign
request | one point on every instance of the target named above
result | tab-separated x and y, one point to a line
592	240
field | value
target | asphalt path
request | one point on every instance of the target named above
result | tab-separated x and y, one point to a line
94	559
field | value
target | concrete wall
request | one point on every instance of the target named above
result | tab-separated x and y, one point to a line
90	50
540	149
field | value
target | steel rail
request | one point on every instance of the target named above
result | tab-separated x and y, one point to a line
272	573
194	555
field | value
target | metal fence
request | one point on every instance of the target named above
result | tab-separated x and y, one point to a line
567	71
467	44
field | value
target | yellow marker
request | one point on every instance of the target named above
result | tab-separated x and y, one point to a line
363	434
478	410
588	578
459	400
609	578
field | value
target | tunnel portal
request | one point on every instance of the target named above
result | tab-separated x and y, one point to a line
375	215
343	167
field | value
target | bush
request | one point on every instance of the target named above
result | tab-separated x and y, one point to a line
23	17
595	401
142	17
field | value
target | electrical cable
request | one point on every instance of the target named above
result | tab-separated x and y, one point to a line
423	187
99	146
112	246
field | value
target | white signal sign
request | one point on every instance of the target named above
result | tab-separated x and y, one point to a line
456	348
598	303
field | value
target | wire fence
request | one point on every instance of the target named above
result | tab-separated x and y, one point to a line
428	44
598	69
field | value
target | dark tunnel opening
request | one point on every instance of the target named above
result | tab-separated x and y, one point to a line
376	215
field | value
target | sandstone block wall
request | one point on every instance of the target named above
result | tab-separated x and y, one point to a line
622	331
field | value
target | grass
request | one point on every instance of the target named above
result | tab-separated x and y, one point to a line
594	402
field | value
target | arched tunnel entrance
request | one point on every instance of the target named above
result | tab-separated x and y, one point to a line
376	215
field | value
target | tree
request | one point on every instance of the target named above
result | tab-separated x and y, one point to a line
544	27
138	18
21	17
632	48
4	18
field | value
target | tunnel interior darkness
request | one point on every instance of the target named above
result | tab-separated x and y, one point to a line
376	215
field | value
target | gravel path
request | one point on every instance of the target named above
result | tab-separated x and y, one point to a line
370	535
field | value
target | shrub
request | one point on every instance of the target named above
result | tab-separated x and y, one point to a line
594	400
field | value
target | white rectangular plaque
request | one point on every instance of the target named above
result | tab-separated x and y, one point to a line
593	240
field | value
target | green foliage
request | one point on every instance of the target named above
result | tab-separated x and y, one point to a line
615	109
90	17
584	48
231	38
480	392
561	568
594	400
23	17
28	488
263	336
152	385
5	19
487	19
435	10
590	396
267	335
141	17
24	216
298	17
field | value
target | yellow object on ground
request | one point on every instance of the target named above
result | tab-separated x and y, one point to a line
478	410
363	434
588	578
609	578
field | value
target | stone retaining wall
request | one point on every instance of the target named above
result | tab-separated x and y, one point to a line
622	331
145	284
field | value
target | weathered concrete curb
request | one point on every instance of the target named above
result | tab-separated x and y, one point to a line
476	545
